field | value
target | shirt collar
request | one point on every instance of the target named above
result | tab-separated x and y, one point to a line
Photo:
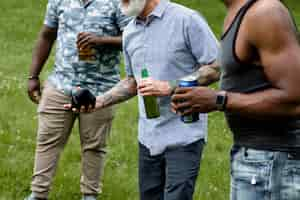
158	11
87	3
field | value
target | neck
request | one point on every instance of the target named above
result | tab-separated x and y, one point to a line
149	7
233	3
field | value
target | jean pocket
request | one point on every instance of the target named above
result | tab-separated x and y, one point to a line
247	172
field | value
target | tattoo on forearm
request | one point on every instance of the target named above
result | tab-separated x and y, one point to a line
207	74
123	91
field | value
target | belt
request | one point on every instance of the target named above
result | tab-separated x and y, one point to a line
292	154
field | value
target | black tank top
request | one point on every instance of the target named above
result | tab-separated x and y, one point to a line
282	134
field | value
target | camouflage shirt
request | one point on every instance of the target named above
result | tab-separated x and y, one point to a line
101	17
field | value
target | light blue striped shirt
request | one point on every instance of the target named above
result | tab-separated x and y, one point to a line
171	44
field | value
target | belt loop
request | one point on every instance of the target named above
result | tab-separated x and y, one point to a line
245	152
293	155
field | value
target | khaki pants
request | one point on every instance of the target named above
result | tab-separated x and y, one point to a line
55	125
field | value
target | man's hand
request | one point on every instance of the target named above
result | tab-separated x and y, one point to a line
151	87
82	101
85	39
41	52
34	90
87	109
194	99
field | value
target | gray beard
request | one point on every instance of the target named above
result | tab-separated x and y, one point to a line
134	8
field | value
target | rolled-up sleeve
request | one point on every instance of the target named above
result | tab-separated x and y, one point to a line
51	17
201	40
121	19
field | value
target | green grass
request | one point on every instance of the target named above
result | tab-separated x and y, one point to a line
19	25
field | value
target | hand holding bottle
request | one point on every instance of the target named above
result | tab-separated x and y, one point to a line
146	89
151	87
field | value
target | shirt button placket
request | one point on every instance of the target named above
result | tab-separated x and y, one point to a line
82	28
146	46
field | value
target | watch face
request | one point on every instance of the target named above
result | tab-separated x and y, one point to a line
221	101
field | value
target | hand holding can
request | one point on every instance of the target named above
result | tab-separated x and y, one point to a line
84	43
189	82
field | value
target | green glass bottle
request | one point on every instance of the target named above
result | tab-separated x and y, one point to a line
150	102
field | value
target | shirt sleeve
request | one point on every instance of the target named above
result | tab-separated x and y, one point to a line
201	40
121	19
51	17
127	61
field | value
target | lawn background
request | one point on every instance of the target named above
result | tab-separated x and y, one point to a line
20	21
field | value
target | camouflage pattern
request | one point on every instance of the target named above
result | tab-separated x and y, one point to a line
102	17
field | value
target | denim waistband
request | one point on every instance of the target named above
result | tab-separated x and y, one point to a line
293	154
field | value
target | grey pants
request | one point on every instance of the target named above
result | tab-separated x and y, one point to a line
171	175
55	125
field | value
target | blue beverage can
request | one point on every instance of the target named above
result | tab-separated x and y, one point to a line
189	82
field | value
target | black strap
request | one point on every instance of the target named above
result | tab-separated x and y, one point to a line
245	8
243	12
238	17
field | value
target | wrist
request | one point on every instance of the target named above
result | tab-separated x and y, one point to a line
33	77
100	40
168	88
99	102
172	85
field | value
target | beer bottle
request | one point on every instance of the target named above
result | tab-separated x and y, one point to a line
150	102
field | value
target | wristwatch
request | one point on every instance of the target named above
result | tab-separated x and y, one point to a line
221	100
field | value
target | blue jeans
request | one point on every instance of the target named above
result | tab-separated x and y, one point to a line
264	175
170	175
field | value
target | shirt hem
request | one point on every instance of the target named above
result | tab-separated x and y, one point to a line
161	150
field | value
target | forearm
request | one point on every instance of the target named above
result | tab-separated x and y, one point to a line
42	51
267	103
115	41
124	90
205	75
208	74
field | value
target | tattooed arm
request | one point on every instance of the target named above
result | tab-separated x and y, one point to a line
127	88
206	75
124	90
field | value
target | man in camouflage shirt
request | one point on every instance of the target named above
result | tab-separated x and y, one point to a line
74	23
